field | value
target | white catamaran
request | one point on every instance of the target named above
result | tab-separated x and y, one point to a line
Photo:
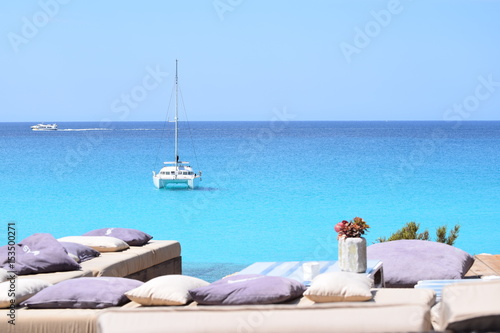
176	172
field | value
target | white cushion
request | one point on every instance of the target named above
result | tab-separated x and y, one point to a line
23	289
340	287
468	307
166	290
99	243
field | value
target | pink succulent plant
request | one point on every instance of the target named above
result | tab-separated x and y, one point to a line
354	228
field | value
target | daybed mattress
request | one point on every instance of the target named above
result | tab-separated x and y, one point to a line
120	264
57	277
50	321
390	310
134	259
405	309
326	317
153	259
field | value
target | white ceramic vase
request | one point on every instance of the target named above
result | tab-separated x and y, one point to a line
352	254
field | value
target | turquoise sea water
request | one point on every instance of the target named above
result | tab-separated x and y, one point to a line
271	191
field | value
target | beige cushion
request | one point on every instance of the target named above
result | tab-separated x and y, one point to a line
156	252
57	277
331	317
99	243
118	264
133	260
469	306
50	321
383	296
22	290
4	275
166	290
340	287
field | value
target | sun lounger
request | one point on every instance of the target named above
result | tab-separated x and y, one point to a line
161	257
57	277
145	262
467	307
391	309
271	318
438	285
139	262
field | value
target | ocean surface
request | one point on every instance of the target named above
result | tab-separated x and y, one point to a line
271	191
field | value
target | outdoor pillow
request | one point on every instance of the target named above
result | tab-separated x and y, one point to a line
468	307
166	290
38	253
340	287
408	261
4	275
84	293
80	251
23	289
248	289
98	243
132	237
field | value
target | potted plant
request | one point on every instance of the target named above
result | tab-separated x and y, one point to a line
352	246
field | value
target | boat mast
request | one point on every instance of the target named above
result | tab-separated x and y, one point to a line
176	118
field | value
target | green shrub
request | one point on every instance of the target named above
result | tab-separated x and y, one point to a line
410	231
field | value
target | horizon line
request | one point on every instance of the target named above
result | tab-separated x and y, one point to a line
312	120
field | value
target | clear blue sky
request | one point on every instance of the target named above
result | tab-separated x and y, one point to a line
75	60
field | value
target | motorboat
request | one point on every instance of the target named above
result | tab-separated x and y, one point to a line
44	127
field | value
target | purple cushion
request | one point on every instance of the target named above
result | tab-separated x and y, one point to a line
132	237
84	293
248	289
81	251
406	262
38	253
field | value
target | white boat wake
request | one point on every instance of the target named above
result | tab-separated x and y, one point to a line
107	129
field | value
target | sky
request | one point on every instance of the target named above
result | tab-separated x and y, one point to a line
75	60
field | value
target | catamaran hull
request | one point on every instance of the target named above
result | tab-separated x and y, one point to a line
162	183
